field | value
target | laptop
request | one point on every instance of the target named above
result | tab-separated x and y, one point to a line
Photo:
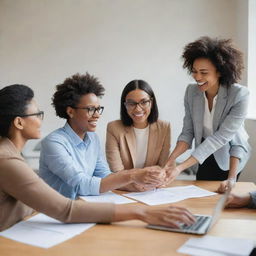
203	222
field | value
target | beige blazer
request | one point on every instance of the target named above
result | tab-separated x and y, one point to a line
21	191
121	145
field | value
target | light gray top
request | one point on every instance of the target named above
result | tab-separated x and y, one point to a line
229	137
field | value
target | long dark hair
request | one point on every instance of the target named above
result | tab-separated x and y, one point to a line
142	85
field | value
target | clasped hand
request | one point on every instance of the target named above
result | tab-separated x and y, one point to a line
171	171
154	177
148	178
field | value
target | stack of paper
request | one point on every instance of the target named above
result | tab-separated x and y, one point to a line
169	195
217	246
43	231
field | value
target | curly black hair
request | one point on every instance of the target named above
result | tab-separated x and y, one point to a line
142	85
224	56
14	100
68	93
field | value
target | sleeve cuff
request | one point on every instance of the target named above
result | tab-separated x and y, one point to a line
94	187
197	156
238	152
185	139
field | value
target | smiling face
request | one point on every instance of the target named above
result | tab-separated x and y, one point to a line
80	119
206	75
138	112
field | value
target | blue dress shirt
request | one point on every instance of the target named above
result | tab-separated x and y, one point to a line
70	165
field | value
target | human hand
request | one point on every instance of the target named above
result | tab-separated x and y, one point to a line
171	163
169	216
149	176
171	173
225	185
238	201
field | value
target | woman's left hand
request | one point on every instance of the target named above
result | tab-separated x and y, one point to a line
225	185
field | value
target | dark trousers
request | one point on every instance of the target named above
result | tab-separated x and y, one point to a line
209	170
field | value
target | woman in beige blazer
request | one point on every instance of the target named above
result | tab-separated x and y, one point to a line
21	190
139	139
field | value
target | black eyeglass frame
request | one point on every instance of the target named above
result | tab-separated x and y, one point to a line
39	114
99	110
126	103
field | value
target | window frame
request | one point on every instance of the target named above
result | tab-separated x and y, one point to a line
251	62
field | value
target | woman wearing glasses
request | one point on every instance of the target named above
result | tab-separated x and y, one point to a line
71	159
22	191
139	139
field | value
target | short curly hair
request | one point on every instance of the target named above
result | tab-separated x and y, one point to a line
224	56
69	93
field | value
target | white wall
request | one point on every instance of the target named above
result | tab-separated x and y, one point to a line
43	42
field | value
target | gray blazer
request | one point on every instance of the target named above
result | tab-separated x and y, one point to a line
229	136
252	204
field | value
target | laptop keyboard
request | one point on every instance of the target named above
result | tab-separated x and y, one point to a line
200	220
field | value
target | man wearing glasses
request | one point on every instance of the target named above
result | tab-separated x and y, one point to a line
71	159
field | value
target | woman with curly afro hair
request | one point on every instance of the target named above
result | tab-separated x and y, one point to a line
215	110
71	159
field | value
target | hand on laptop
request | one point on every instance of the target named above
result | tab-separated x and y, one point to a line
238	201
168	216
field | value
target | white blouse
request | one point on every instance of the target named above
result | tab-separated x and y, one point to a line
141	146
208	117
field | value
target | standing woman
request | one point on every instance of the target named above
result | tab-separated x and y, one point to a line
139	139
215	110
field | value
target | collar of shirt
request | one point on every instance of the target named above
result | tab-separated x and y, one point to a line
213	104
74	138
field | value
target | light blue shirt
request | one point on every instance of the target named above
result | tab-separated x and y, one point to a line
70	165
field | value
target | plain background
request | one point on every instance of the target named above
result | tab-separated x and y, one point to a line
44	41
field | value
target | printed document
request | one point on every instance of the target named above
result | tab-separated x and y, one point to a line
43	231
108	197
169	195
217	246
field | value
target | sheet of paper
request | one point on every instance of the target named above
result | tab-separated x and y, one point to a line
108	197
219	246
43	231
169	195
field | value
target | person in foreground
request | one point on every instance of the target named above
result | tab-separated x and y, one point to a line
71	159
139	139
243	200
215	110
22	191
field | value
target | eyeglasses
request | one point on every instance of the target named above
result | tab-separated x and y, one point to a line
39	114
132	104
91	110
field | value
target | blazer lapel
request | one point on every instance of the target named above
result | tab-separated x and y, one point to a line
152	143
220	106
131	142
198	114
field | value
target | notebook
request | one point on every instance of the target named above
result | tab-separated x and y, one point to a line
203	222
